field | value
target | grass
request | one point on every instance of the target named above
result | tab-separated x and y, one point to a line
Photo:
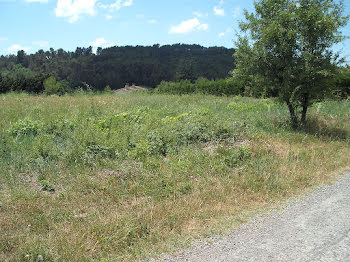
123	178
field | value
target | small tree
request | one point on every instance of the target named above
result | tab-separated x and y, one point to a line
51	86
108	89
286	47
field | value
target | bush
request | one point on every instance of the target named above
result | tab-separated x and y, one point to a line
176	88
95	153
217	87
47	186
51	86
26	127
107	89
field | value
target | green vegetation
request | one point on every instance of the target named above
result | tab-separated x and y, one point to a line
106	177
120	177
18	79
51	86
201	86
116	66
286	46
342	82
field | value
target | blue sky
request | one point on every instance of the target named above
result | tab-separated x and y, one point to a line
40	24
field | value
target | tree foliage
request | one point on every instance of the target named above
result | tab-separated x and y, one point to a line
201	86
51	86
18	78
116	66
285	49
342	83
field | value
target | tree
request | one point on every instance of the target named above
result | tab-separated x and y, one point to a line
115	66
51	86
285	48
99	50
342	82
21	58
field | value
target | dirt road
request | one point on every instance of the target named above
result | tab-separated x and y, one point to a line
315	228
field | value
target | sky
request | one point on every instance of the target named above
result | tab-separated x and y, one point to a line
31	25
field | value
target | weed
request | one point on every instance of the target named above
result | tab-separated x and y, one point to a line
47	186
25	127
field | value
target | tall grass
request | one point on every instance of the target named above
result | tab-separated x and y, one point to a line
119	178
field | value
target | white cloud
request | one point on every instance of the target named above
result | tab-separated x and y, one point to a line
128	3
197	14
74	9
222	34
237	11
188	26
109	17
14	48
200	14
41	43
100	42
219	11
152	21
117	5
36	1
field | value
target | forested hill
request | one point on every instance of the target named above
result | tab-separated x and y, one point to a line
115	66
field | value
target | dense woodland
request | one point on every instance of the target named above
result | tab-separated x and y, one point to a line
114	66
175	69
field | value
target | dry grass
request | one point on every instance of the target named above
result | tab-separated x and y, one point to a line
129	208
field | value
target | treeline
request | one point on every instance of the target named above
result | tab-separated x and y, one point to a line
113	66
338	86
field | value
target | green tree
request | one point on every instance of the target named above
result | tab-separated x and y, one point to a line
108	89
342	82
286	47
51	86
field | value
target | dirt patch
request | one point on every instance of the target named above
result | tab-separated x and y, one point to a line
211	148
33	181
130	89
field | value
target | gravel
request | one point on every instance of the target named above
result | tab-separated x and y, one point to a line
314	228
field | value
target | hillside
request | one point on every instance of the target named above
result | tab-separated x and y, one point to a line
116	66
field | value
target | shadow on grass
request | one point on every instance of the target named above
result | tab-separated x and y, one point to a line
323	128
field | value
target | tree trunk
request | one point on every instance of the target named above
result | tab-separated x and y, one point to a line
293	116
305	107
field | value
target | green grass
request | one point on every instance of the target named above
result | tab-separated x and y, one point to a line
121	178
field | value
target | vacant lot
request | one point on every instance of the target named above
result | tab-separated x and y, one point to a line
122	177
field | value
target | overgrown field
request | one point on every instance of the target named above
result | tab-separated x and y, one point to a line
120	178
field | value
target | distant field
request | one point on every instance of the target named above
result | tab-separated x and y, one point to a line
123	177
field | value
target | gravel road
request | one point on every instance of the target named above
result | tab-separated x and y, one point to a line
314	228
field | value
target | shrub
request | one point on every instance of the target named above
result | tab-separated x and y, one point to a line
26	127
156	143
51	86
176	88
47	186
108	89
59	126
202	85
94	153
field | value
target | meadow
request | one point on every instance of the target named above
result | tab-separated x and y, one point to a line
108	177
